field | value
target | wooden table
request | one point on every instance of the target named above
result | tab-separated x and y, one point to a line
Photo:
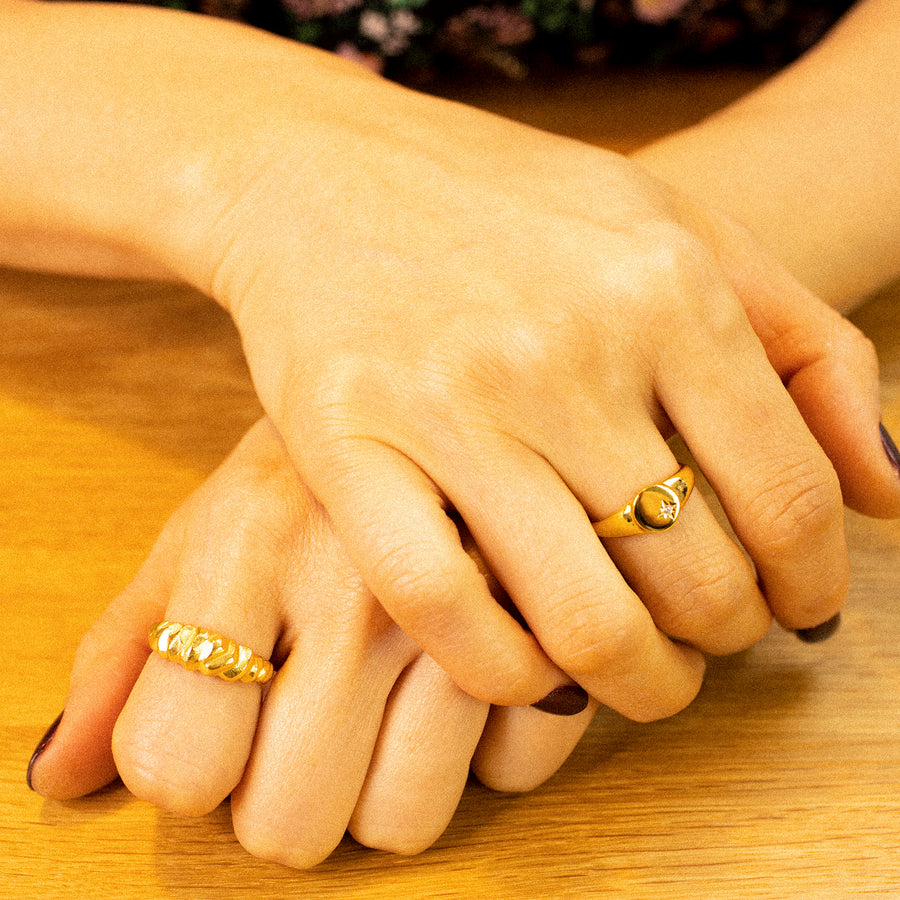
781	780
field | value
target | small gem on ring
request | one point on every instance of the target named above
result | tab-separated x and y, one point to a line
668	511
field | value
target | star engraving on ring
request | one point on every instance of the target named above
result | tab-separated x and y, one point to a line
668	510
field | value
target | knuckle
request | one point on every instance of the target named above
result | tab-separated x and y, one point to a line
674	263
795	508
586	641
246	524
113	640
861	348
323	404
415	582
237	537
534	347
457	390
672	259
709	592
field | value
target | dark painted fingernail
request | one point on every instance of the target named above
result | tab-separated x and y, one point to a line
819	633
890	448
41	747
568	700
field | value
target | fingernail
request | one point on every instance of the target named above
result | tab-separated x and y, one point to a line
41	747
819	633
567	700
890	448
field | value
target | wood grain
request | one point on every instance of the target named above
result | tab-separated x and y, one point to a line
781	780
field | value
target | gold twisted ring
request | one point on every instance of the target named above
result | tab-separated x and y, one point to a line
205	651
654	509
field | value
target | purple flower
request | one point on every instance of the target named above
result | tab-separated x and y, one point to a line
500	26
391	32
317	9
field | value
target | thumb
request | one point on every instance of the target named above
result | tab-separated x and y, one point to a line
75	757
829	368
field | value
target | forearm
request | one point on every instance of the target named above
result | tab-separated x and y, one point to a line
811	160
116	123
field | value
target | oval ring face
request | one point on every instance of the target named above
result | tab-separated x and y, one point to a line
656	507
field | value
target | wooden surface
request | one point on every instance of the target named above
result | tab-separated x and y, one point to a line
781	780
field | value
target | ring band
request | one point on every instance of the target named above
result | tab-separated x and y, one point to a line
654	509
199	650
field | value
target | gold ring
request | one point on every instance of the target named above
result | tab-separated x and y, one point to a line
653	509
199	650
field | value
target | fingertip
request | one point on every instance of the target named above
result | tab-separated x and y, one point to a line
521	748
74	757
819	633
890	450
70	760
42	745
838	394
566	700
871	483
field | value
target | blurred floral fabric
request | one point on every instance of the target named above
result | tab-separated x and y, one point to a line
417	39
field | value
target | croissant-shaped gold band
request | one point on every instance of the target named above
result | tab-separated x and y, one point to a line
205	651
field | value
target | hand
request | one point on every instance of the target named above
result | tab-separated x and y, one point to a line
446	313
252	555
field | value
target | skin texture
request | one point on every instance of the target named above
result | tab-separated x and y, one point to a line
555	331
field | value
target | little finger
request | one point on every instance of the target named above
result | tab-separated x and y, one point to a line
522	747
777	487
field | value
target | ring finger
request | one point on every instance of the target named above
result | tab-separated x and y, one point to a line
537	539
696	582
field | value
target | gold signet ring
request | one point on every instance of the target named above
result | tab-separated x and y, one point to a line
199	650
654	509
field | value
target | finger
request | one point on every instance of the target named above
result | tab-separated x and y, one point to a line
830	369
79	758
521	747
696	582
397	531
168	743
421	761
317	734
537	539
183	738
693	579
776	485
